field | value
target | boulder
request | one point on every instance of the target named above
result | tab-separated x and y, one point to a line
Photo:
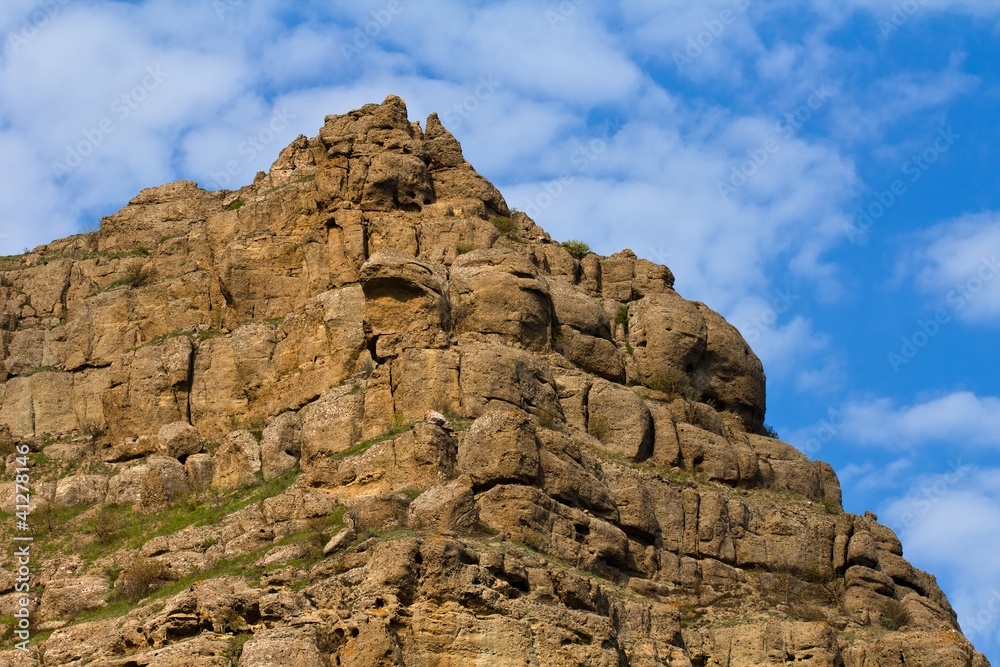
445	508
500	448
620	420
405	303
281	445
237	463
178	440
501	294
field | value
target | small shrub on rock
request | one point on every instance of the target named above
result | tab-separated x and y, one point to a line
142	577
577	248
894	615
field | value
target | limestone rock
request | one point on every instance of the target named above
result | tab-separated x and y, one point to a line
500	293
405	304
69	596
281	445
499	448
493	374
199	470
445	508
81	490
237	463
178	440
295	647
414	429
620	420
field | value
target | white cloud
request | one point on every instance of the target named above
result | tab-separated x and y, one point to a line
915	9
686	190
864	478
961	418
958	264
948	525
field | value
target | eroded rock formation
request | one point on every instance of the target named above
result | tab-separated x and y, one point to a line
361	413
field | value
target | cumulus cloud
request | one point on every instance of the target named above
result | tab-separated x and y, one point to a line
947	523
958	263
962	418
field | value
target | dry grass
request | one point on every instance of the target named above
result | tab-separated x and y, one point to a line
894	615
599	426
138	274
142	577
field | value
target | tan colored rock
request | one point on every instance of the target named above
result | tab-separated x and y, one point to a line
575	308
492	374
199	471
669	337
735	374
405	303
620	420
356	308
164	481
617	272
281	445
332	423
424	380
445	508
526	515
501	294
294	647
595	355
420	457
150	389
915	648
153	214
500	448
573	387
237	463
69	596
81	490
178	440
454	178
566	478
861	550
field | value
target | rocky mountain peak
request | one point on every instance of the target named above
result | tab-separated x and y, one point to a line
359	412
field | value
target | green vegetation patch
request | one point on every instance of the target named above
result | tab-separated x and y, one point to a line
398	427
577	248
508	226
117	526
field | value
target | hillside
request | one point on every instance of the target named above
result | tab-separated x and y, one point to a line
361	413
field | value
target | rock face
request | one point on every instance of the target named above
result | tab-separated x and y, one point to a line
360	413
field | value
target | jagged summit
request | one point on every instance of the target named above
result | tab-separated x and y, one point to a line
370	416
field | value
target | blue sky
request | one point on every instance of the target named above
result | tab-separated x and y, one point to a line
821	172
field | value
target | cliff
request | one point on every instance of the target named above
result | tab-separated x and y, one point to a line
361	413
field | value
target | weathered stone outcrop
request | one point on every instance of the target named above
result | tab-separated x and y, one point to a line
361	413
